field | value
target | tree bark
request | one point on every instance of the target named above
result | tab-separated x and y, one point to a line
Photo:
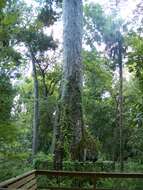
121	100
72	77
45	91
71	119
36	108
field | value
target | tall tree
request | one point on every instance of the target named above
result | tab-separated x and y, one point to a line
106	29
36	106
70	117
120	63
38	44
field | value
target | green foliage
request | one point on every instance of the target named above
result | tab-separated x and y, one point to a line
100	27
6	98
42	160
94	21
13	167
103	29
134	63
10	17
2	3
135	42
46	122
48	14
38	41
48	17
99	109
8	130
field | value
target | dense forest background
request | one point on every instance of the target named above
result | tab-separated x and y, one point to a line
31	76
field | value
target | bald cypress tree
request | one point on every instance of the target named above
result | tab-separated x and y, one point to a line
70	123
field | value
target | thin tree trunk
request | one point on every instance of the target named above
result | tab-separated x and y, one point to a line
121	102
45	91
36	109
55	131
56	128
53	138
115	130
71	121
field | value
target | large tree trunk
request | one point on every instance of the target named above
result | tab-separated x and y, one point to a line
71	121
36	109
72	78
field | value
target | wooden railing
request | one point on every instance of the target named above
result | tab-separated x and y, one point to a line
28	181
